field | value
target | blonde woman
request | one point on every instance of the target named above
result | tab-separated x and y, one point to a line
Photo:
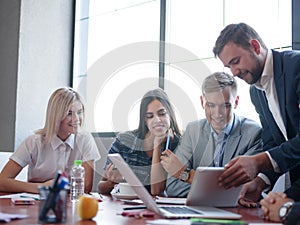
54	147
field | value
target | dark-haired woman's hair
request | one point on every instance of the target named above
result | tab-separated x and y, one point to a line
162	97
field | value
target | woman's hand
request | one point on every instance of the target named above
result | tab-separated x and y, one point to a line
158	174
112	174
171	163
48	183
158	140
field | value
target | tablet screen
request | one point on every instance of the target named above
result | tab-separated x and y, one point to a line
205	190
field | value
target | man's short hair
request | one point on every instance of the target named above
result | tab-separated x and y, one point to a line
217	82
238	33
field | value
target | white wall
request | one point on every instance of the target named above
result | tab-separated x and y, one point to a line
9	26
38	36
44	60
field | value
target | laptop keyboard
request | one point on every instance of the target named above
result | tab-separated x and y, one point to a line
179	210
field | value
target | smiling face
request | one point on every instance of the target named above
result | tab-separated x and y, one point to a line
247	64
219	107
72	122
157	118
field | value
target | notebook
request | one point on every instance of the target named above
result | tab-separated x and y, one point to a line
168	211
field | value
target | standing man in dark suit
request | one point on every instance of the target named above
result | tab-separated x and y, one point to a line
275	92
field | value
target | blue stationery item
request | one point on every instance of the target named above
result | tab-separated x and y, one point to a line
53	200
168	139
167	143
63	183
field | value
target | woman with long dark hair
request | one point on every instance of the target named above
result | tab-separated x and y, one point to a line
141	148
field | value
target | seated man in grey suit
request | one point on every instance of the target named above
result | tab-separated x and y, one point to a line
213	141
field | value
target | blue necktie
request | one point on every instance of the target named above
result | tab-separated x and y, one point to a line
219	149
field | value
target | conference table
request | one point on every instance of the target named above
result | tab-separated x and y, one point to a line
109	211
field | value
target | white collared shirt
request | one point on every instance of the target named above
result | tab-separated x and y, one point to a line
44	160
267	84
63	149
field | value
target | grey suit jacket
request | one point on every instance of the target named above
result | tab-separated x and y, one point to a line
196	148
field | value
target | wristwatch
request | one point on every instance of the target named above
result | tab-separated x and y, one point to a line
184	175
284	210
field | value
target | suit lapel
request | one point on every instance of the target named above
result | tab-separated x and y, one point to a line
230	148
208	155
279	85
261	105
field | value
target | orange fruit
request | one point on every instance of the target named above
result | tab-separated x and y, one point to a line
87	207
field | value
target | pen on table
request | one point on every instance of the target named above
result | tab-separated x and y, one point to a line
133	208
194	221
95	195
132	202
137	215
101	196
25	196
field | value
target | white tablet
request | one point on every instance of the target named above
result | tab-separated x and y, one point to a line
206	191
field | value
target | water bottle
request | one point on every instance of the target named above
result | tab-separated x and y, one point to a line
77	180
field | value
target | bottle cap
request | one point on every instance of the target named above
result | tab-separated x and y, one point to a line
77	162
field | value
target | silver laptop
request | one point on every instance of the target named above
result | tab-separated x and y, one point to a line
168	211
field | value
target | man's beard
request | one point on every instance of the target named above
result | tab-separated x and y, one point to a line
257	72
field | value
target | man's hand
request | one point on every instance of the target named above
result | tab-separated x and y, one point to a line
271	203
251	193
243	169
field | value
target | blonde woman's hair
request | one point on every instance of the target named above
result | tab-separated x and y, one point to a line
57	110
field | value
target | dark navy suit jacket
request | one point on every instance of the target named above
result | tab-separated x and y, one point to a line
287	82
294	216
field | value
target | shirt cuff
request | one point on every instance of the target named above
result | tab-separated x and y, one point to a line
264	178
273	162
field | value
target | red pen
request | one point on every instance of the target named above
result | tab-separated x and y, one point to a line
138	214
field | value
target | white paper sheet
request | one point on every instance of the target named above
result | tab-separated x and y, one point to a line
168	222
22	195
7	217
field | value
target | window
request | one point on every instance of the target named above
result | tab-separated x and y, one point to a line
117	53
